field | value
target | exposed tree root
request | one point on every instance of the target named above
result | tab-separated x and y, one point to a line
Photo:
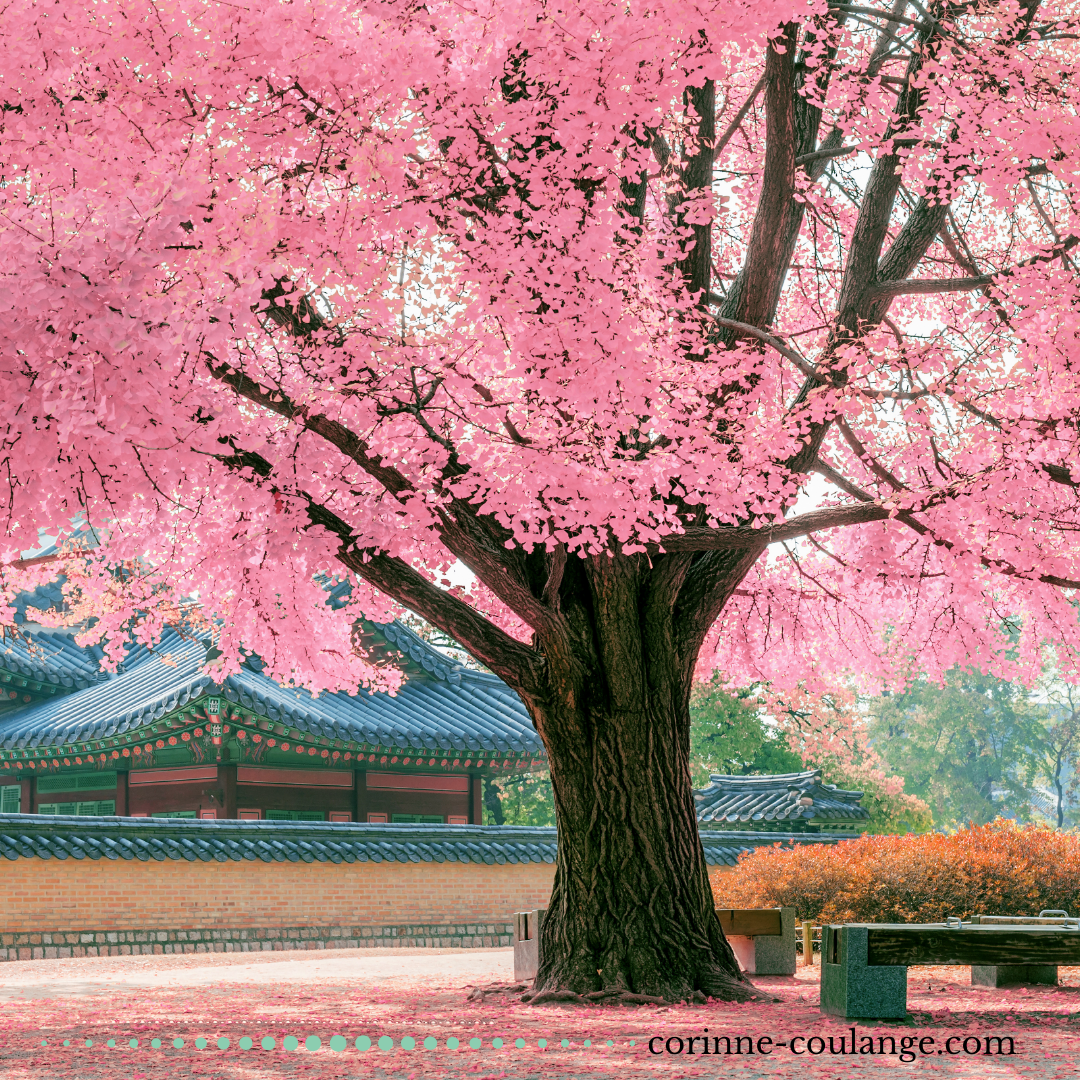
598	997
479	993
736	991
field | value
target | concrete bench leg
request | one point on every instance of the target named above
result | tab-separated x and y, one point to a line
850	987
1011	974
527	943
768	954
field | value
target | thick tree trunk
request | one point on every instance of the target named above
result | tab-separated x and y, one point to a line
632	910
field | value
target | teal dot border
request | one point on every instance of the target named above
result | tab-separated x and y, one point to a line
337	1043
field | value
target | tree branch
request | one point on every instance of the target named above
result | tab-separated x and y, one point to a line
882	290
747	537
906	517
750	299
804	366
926	286
351	445
504	655
818	155
730	130
493	570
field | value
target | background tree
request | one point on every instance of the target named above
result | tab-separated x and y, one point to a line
525	799
753	732
1057	750
729	734
972	748
584	302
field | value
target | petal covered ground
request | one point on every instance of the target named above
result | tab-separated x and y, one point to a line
424	994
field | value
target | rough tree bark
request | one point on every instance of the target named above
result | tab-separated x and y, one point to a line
632	911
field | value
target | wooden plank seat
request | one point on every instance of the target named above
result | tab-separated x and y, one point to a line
763	940
864	965
1012	974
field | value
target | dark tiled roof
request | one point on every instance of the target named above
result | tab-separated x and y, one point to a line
149	689
441	707
46	659
57	837
796	799
44	598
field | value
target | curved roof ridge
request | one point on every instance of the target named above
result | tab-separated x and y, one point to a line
62	837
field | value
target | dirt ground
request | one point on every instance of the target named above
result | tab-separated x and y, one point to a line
58	1018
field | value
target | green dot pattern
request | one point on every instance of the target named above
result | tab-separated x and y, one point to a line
313	1043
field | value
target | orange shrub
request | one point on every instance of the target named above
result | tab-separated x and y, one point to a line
996	869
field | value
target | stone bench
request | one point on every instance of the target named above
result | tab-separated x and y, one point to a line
1012	974
527	943
864	965
763	940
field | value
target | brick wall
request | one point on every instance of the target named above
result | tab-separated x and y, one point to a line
110	906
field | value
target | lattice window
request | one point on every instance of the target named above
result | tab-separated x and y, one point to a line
10	798
91	808
90	781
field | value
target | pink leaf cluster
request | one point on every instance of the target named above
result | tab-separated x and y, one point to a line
285	282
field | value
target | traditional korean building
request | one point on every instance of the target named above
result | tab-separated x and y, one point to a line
784	802
160	738
337	821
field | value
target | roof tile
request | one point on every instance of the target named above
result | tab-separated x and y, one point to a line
36	836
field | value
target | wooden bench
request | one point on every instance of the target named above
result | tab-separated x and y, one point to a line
864	965
763	940
1012	974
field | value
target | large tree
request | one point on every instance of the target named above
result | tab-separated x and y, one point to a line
585	297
